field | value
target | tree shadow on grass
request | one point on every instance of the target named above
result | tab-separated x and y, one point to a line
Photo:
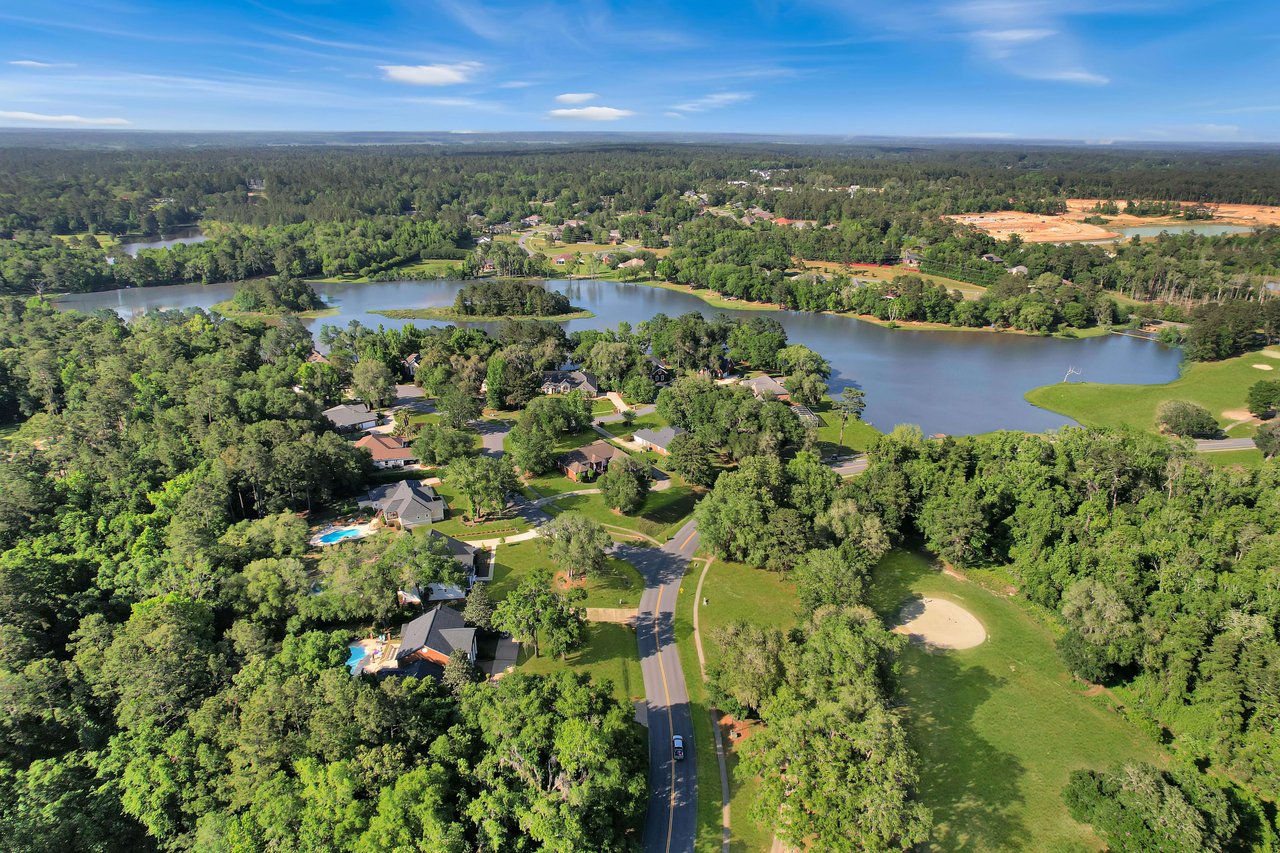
969	783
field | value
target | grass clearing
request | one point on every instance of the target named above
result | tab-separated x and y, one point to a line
858	435
454	526
970	291
999	728
609	654
659	517
735	592
620	429
1248	459
619	585
1219	386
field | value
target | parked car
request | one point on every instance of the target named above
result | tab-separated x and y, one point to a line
677	746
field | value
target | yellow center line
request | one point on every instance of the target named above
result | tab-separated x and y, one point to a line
657	643
686	541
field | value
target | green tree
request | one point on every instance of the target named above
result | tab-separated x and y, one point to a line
1182	417
478	610
1264	398
484	482
1267	438
577	543
625	485
690	458
372	382
457	407
852	403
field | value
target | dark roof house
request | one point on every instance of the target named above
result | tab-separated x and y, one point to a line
408	503
347	417
434	636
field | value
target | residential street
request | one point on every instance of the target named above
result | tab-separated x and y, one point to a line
672	822
1221	445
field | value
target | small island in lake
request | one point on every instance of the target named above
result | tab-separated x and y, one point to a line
275	296
497	300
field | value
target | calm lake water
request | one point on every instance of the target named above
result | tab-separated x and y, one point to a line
181	235
950	382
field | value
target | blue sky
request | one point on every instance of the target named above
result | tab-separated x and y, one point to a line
1160	70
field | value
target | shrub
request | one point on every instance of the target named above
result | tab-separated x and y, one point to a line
1182	417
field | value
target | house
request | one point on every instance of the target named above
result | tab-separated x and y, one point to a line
406	504
1019	270
557	233
561	260
487	266
574	223
766	388
411	362
912	259
531	220
660	373
615	236
480	241
993	259
434	636
388	451
587	463
564	381
351	417
316	358
631	264
657	440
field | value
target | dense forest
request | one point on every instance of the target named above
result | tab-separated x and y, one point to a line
331	211
510	298
172	668
1160	567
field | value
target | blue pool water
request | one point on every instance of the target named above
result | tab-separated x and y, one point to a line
358	653
338	535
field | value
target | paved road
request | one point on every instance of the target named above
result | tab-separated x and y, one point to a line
672	821
1220	445
616	417
492	434
849	467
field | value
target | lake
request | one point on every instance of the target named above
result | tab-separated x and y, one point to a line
950	382
164	241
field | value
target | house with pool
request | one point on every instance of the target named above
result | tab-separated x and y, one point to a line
407	504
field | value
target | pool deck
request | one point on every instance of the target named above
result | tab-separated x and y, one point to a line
361	531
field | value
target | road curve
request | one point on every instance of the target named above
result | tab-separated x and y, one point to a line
672	821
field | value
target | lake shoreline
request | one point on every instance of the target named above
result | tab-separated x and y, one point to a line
449	315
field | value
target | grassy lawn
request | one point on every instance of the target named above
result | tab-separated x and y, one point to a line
970	291
554	482
602	407
660	516
736	593
609	654
619	582
711	297
1000	727
621	430
1219	386
1250	459
858	435
453	526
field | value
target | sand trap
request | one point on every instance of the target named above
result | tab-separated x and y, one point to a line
1263	367
940	624
1270	353
1238	415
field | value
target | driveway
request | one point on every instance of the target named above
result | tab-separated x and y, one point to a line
492	434
671	824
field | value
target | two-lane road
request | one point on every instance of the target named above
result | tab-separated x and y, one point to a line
672	821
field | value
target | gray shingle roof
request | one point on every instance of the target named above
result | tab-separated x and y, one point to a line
441	629
348	415
411	502
658	437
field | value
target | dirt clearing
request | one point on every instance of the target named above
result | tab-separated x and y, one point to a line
940	624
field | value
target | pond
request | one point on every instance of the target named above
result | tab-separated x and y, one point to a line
951	382
164	241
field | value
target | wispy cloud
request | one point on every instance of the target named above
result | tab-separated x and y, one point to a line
32	63
591	113
576	97
1069	75
457	103
432	75
41	118
712	102
515	84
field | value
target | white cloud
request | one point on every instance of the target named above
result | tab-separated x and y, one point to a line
1015	36
515	84
15	115
432	75
673	114
32	63
576	97
1086	78
712	102
592	114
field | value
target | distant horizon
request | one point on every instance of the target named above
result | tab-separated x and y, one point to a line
444	137
1140	71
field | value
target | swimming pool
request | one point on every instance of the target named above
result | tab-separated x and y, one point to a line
358	653
338	535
